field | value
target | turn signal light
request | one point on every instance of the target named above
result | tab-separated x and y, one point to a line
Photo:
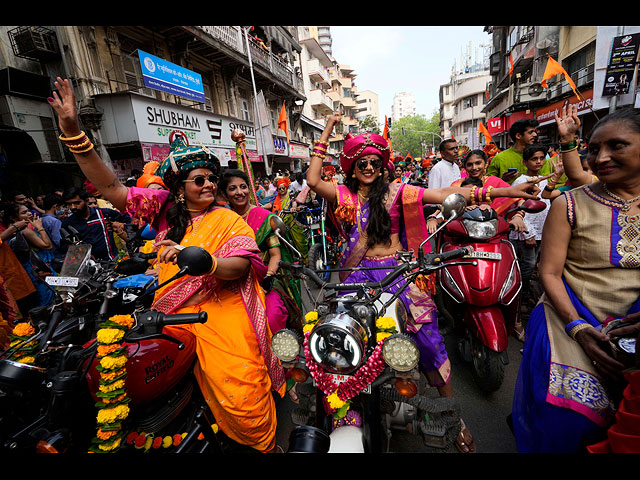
299	375
45	447
406	388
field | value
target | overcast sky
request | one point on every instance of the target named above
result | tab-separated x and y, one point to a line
414	59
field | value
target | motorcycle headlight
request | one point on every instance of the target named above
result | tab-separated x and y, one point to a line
285	345
481	230
338	343
400	352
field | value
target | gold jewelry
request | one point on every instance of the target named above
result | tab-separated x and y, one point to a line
473	194
577	328
626	204
81	151
567	151
488	199
71	139
215	265
180	198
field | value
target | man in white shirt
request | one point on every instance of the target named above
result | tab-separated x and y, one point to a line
446	171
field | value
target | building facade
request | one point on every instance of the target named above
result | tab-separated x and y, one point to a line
404	105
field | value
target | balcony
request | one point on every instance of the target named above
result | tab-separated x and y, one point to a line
320	101
317	73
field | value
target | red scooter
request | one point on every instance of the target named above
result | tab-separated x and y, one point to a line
484	299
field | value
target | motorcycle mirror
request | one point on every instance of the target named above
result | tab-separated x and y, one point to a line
453	204
195	261
38	263
278	224
533	206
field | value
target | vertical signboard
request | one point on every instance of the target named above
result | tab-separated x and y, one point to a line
171	78
622	65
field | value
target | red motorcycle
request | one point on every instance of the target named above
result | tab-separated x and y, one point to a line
484	299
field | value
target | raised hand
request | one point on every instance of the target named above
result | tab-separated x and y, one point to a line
64	104
568	123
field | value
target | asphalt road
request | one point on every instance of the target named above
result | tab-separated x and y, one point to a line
484	414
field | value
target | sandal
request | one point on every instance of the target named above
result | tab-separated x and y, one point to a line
518	332
464	441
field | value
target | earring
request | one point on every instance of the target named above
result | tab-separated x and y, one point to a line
180	198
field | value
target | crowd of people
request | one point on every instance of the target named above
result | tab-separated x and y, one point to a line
579	260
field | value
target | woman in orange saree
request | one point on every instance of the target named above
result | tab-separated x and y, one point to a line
236	370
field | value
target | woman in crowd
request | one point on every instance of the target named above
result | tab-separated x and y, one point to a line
283	300
236	369
380	219
34	239
568	380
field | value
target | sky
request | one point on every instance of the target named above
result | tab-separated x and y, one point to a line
415	59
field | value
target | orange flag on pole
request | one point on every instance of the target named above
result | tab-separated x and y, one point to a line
511	62
552	69
282	121
385	135
483	130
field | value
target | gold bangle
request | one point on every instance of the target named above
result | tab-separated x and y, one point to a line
322	143
215	265
577	328
473	194
567	151
488	200
70	139
82	151
86	142
315	154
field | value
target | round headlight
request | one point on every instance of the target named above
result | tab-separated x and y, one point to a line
400	352
285	345
337	343
481	230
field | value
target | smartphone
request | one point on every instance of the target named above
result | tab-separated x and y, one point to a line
512	170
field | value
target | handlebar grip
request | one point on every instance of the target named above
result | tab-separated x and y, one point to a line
184	318
147	256
458	253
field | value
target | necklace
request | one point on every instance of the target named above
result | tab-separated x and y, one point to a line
626	204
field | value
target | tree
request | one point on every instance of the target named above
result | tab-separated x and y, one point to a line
369	124
407	134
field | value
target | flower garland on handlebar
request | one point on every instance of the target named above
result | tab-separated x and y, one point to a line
338	396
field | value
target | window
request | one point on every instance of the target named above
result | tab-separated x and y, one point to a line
131	66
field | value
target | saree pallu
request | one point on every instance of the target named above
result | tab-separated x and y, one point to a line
502	204
236	369
284	300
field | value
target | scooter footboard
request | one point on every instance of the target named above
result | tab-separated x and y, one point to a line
487	324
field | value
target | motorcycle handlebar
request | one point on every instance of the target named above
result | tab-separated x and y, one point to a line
183	318
458	253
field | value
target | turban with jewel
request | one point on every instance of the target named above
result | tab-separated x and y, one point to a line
184	158
361	145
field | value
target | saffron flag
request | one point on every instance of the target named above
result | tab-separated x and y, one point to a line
282	121
552	69
511	62
385	135
483	130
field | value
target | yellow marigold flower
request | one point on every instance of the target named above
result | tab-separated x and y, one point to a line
26	360
110	415
107	447
167	441
311	317
307	327
111	363
110	388
125	320
147	247
107	336
335	402
385	322
382	335
23	330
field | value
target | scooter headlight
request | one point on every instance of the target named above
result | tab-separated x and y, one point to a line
481	230
285	345
400	353
338	343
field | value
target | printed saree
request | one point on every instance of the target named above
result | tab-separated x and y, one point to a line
236	369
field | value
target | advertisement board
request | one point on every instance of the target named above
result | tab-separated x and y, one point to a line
165	76
622	64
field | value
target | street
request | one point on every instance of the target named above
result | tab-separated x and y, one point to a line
484	414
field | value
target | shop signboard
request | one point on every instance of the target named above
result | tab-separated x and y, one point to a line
547	114
495	125
622	64
165	76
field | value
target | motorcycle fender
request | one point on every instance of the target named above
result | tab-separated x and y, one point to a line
347	439
487	324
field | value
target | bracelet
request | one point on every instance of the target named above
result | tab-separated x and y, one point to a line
568	150
520	213
550	188
82	151
473	195
319	155
568	145
488	198
572	328
215	265
71	139
322	143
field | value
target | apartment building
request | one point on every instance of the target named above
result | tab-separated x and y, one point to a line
130	119
404	105
367	102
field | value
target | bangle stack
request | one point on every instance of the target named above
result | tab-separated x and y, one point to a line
320	149
568	147
215	265
480	195
77	144
574	327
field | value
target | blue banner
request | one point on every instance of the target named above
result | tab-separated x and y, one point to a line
171	78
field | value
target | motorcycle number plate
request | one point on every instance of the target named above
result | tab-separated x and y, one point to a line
485	255
337	378
62	281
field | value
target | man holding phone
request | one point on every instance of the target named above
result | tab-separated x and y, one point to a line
508	164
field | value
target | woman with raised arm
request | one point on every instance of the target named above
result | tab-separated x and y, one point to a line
236	370
380	219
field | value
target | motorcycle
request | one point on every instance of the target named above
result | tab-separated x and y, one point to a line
483	302
325	246
354	387
50	403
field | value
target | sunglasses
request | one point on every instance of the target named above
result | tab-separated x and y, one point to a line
362	164
199	180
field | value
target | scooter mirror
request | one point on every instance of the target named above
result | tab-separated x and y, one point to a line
453	204
278	224
533	206
196	260
148	233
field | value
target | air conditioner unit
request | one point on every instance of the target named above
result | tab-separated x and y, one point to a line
530	92
34	43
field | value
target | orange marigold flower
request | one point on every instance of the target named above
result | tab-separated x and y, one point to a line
106	435
23	330
177	438
125	320
104	350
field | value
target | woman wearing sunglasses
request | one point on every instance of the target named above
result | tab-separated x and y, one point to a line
380	218
236	370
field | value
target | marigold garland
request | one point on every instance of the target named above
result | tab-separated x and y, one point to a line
113	406
21	333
